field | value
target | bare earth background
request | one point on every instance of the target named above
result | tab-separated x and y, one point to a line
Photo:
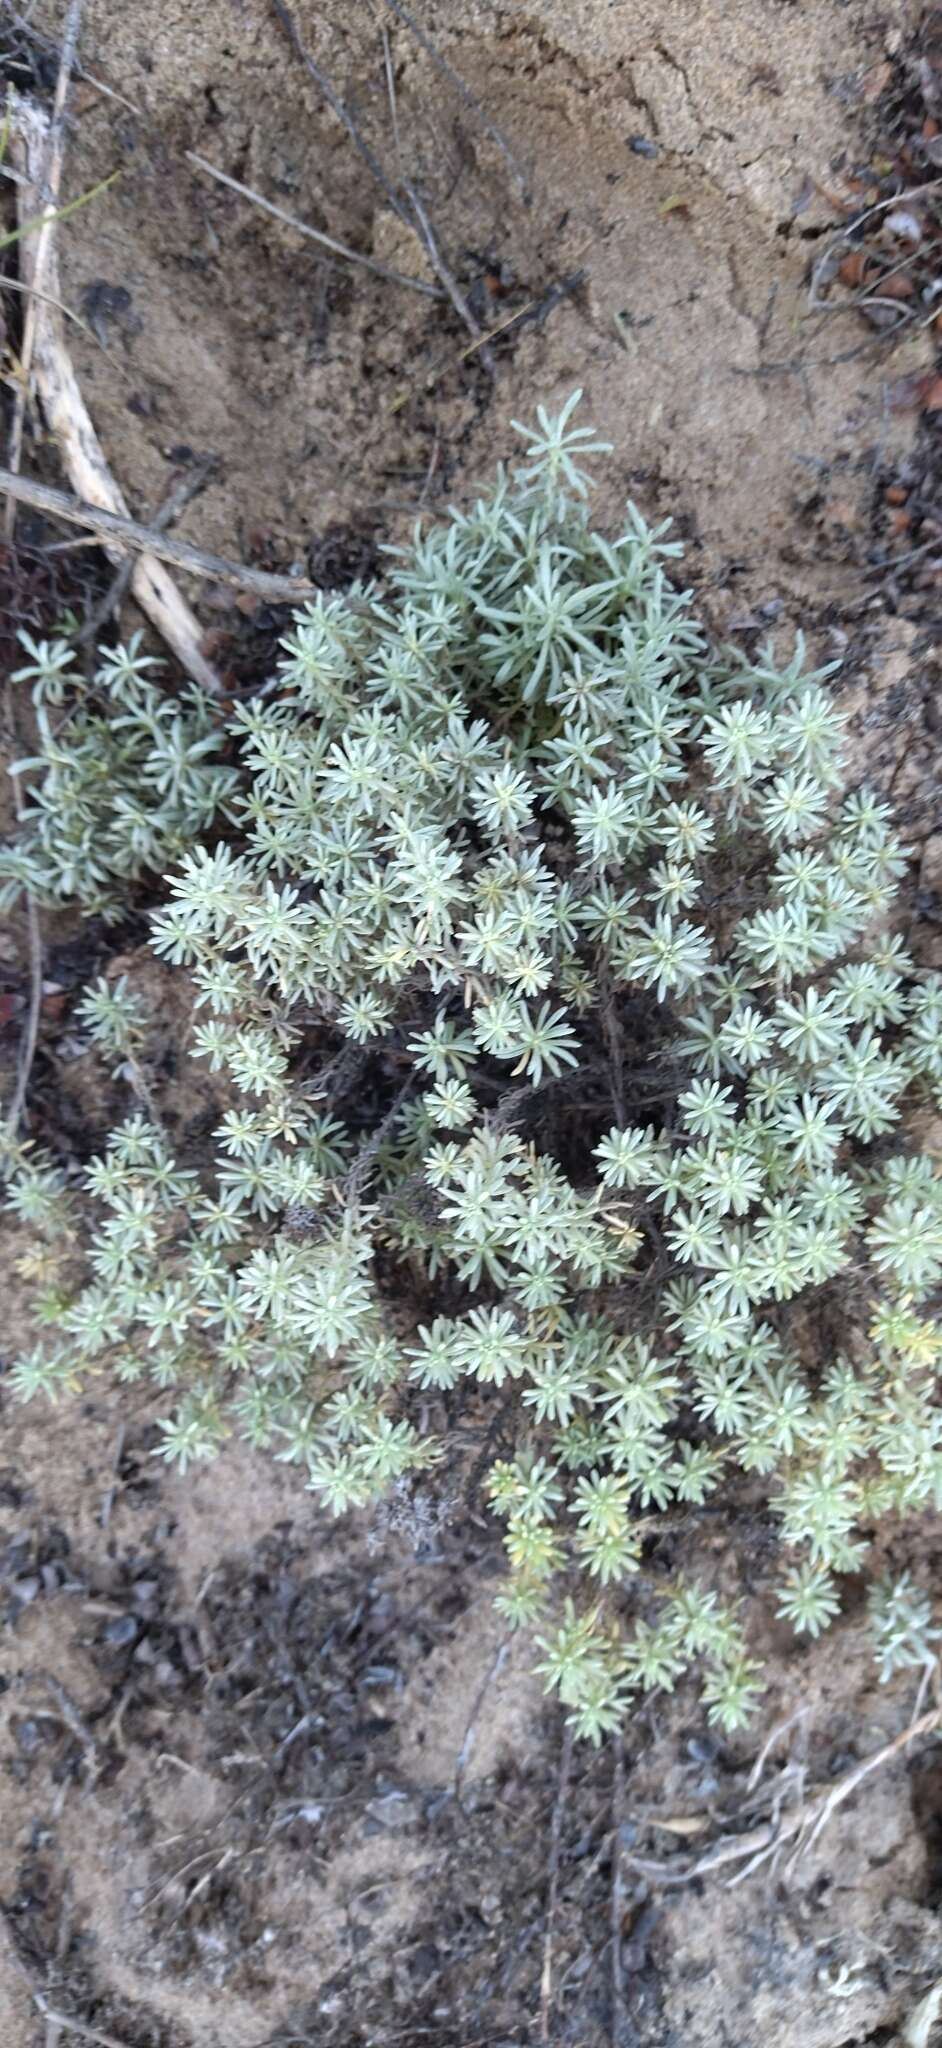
296	1789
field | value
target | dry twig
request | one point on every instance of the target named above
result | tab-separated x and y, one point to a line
31	1032
30	1038
619	2013
470	1733
64	2021
464	91
72	1718
290	220
802	1826
556	1829
48	192
418	218
450	283
175	502
53	2018
115	528
336	105
823	267
67	419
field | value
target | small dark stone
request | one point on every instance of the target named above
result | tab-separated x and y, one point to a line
121	1631
29	1735
381	1674
641	145
103	303
393	1810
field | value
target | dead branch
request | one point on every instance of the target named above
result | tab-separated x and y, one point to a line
336	104
412	213
470	1733
30	1038
802	1826
48	2012
118	531
451	285
64	2020
290	220
73	1719
418	219
464	92
617	1910
67	418
175	502
31	1033
48	186
556	1828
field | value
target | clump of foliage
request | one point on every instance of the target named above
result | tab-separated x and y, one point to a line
606	939
127	777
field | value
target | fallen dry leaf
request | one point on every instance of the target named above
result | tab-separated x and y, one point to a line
852	269
898	287
876	79
905	394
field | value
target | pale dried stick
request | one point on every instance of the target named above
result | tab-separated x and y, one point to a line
336	105
556	1830
805	1823
48	190
67	419
422	224
176	501
30	1038
118	532
290	220
450	283
617	1901
464	91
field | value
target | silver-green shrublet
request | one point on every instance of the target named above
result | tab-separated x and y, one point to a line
480	802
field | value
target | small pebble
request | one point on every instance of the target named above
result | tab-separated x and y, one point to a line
121	1631
29	1736
394	1810
640	145
25	1590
